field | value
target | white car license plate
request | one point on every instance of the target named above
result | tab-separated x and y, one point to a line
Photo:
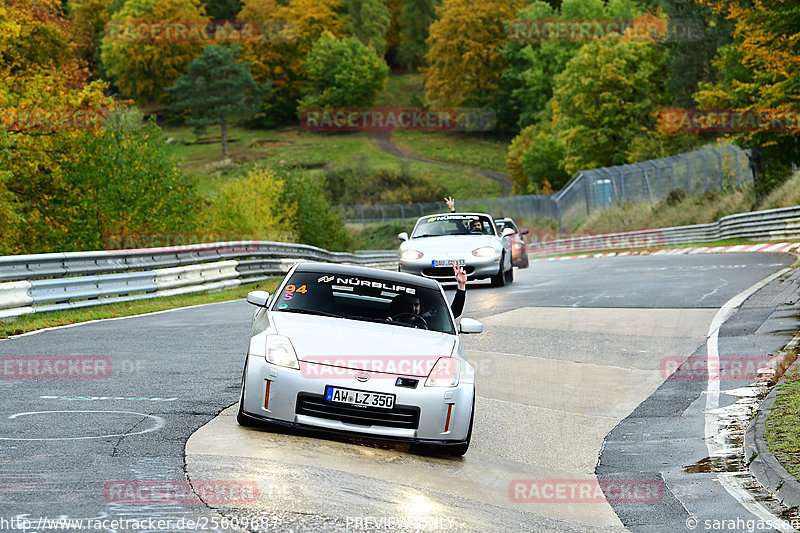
447	262
361	398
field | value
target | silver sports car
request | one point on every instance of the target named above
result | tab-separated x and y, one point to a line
361	351
471	239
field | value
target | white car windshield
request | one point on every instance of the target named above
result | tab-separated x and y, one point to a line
365	298
457	224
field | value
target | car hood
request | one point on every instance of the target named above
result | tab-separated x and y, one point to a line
452	246
363	345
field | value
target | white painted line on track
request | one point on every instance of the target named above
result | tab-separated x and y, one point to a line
159	424
712	426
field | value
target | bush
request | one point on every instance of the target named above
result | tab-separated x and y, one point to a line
342	73
256	204
359	184
316	222
126	180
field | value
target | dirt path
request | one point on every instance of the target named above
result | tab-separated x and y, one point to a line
382	140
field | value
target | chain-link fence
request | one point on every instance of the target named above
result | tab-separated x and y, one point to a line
697	172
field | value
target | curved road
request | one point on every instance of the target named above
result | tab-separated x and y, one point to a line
382	140
570	380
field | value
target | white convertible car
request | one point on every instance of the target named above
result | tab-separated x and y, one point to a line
471	239
360	351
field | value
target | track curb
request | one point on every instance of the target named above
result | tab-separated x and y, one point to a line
762	464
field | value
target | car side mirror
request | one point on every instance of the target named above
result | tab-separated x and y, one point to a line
259	298
507	232
468	325
524	232
402	236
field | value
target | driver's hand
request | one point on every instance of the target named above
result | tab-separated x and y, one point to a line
461	276
450	203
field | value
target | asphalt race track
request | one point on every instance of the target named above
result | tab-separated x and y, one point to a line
577	426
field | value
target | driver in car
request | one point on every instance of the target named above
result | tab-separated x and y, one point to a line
406	304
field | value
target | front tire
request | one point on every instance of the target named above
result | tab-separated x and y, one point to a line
241	417
499	279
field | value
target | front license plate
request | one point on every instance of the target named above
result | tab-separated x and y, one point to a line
446	262
360	398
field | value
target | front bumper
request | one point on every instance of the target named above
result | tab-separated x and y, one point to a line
475	267
289	391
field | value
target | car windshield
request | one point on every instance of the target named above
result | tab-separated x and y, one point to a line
369	299
437	225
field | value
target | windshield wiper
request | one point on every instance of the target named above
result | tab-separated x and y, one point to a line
427	235
309	312
367	319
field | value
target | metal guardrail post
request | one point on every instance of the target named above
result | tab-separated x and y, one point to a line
705	171
721	168
671	175
688	173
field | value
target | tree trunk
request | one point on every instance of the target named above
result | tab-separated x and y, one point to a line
224	137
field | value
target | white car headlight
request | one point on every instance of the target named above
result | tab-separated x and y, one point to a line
445	373
485	251
281	352
410	255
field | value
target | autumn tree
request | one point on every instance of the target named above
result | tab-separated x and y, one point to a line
223	9
465	63
41	88
254	204
369	21
279	56
142	67
342	73
89	18
125	181
604	99
760	71
393	31
416	17
216	90
533	65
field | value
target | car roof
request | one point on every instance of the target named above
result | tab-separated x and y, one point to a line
456	213
353	270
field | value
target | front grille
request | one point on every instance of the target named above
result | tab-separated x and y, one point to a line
445	272
397	417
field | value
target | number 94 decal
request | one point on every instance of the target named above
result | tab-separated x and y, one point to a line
291	291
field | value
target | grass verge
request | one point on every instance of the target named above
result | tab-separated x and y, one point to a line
33	322
782	436
474	150
202	158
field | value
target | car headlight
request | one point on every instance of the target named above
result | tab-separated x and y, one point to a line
281	352
410	255
485	251
445	373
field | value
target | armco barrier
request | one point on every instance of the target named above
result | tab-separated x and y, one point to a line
58	281
769	225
